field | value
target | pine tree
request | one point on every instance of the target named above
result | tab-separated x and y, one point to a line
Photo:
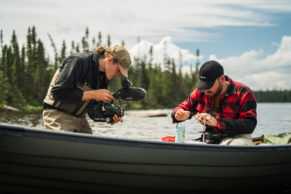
30	52
123	43
3	60
166	87
56	59
3	88
152	91
42	74
25	74
16	71
159	85
1	40
73	48
14	93
63	52
22	72
85	41
99	43
108	41
94	44
77	48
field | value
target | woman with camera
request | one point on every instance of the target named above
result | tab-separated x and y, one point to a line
82	77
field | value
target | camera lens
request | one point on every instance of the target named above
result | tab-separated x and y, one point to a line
119	112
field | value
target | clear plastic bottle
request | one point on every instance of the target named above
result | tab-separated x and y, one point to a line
180	133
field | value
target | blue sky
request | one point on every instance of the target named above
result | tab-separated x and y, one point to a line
234	40
252	36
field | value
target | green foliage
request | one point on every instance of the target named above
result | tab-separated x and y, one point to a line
31	108
108	41
17	99
63	52
273	96
99	43
85	41
3	88
25	73
165	88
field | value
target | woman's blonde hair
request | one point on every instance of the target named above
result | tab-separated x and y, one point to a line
105	52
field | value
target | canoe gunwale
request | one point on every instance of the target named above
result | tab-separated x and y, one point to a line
19	131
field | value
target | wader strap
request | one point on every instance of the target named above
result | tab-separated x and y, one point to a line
81	108
77	109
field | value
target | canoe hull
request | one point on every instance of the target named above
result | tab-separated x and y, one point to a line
40	160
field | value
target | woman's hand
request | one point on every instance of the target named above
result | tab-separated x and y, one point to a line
116	119
98	95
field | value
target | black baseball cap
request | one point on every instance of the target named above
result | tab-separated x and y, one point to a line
208	73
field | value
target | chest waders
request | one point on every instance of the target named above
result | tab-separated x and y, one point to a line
73	108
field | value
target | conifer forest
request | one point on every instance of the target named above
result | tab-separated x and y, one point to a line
26	71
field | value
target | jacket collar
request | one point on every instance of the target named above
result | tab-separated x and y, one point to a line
231	88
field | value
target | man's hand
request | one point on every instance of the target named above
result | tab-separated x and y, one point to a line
98	95
181	115
207	119
116	119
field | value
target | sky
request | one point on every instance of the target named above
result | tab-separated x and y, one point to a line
250	38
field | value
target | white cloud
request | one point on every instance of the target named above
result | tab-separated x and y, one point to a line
152	20
267	80
127	19
165	48
272	72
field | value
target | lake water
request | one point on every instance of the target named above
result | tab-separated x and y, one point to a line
272	118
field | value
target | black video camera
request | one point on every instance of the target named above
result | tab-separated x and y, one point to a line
105	111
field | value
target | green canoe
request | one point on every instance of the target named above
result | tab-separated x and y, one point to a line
43	161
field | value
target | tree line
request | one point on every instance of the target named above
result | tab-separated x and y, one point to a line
26	71
273	96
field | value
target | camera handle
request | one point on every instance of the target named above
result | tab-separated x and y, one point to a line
118	101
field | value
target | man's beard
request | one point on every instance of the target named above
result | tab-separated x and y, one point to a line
218	91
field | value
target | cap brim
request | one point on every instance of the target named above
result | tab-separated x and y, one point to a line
123	71
203	85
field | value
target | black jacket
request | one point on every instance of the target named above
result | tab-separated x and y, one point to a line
79	68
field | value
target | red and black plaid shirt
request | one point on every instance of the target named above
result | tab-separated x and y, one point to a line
236	112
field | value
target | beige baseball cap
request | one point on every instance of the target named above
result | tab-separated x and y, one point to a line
123	59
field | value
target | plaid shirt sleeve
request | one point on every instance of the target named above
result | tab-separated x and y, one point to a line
189	104
247	115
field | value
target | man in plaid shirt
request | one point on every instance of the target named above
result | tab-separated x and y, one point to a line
227	108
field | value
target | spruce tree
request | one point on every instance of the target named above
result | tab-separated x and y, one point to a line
1	39
108	41
4	89
99	43
85	41
73	49
63	52
56	58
